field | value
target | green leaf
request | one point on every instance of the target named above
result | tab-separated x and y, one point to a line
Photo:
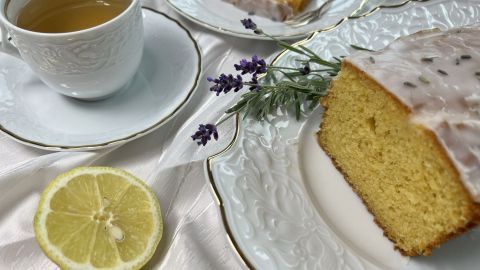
335	66
271	103
338	59
248	109
290	47
309	51
297	86
237	107
360	48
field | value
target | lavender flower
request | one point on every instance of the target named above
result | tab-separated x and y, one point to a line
249	24
255	67
305	70
255	85
225	83
204	134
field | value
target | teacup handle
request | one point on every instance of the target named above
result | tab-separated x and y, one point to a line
6	46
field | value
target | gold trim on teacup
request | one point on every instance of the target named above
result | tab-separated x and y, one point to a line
130	137
209	160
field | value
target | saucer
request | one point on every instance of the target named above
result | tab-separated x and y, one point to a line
37	116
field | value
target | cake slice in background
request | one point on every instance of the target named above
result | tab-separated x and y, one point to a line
277	10
403	126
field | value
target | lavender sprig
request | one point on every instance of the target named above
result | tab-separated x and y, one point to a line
302	85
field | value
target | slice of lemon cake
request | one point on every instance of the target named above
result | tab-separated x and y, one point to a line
277	10
403	126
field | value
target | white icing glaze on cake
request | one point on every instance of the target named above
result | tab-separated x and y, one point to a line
448	104
277	10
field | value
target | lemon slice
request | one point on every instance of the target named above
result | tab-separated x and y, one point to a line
98	217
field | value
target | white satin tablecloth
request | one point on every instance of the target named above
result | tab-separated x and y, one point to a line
167	159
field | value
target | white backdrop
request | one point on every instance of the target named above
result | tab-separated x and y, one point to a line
167	159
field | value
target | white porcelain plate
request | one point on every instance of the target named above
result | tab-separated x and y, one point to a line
168	74
285	205
225	18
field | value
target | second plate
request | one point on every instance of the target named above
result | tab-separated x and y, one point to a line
286	206
225	18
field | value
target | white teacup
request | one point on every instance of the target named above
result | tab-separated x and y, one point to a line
88	64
